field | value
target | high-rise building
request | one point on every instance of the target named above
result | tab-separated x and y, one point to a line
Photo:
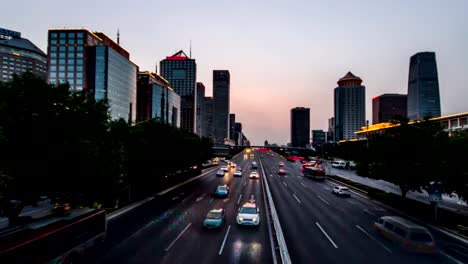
238	134
387	106
200	106
423	86
232	126
19	55
93	62
318	137
331	129
207	117
300	127
181	72
350	107
157	100
221	90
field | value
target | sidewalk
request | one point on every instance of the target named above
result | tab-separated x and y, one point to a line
39	211
450	203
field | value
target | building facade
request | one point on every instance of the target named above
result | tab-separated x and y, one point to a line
157	100
238	133
318	137
350	107
200	108
387	106
93	62
423	87
232	126
207	117
300	127
331	129
19	55
221	90
181	72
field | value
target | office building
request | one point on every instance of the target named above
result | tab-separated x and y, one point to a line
221	90
181	72
350	107
232	126
207	117
238	134
318	137
386	107
93	62
300	127
157	100
331	129
200	108
19	55
423	87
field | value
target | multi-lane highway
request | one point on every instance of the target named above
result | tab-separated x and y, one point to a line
175	235
318	226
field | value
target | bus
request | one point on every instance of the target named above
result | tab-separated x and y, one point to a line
58	239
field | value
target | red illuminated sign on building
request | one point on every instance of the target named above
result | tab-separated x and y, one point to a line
176	58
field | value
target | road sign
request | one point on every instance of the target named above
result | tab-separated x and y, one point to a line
435	197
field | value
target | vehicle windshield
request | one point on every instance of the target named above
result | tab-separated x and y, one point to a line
222	188
248	210
214	215
420	237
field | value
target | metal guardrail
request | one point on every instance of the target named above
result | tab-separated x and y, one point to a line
279	232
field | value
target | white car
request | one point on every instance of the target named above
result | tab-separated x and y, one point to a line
224	168
238	173
233	165
248	214
341	191
339	164
254	175
220	173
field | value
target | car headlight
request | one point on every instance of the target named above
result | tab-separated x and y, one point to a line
255	219
241	219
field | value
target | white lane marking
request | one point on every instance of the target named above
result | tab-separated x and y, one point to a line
325	233
224	240
245	183
211	200
240	196
303	185
360	195
450	257
177	238
323	200
299	201
285	184
271	175
369	212
175	198
326	188
373	238
225	200
200	198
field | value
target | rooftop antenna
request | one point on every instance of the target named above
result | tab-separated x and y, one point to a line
190	48
118	36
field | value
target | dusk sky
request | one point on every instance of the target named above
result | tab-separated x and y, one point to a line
281	54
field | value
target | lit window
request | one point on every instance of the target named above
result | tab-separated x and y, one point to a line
70	75
62	55
79	62
62	48
80	35
53	68
79	75
71	48
79	48
53	35
63	41
53	75
61	68
71	68
71	41
63	35
71	81
53	62
53	48
79	68
79	55
71	61
79	81
62	61
71	35
61	75
53	55
80	42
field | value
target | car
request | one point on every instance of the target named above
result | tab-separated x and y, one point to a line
281	164
339	164
281	172
233	165
341	191
272	155
222	191
248	214
254	175
408	235
214	218
316	172
238	173
261	156
224	168
220	173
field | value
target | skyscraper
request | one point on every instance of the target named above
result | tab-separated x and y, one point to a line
200	108
318	137
300	127
93	62
221	90
19	55
350	107
423	86
181	72
232	126
238	134
331	129
207	117
387	106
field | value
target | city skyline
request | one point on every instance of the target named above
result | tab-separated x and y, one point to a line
377	47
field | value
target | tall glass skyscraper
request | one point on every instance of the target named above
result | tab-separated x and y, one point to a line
221	92
93	62
181	72
300	127
423	86
350	107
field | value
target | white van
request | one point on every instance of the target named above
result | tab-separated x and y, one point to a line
406	234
